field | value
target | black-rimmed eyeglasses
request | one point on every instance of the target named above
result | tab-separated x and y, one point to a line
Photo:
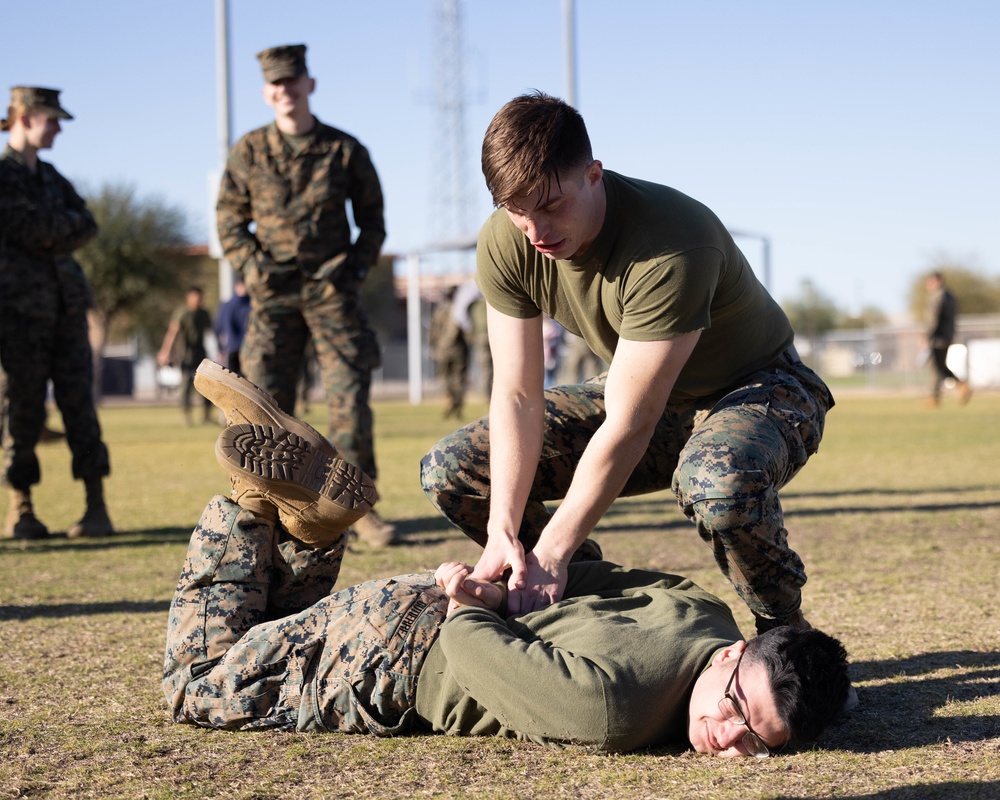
730	708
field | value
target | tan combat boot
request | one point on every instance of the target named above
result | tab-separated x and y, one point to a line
375	531
95	520
243	403
21	522
318	496
254	500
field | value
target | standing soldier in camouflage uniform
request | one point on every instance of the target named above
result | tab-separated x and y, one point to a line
189	326
292	180
450	352
705	393
44	298
469	311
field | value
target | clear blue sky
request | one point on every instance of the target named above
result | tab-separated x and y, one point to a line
861	136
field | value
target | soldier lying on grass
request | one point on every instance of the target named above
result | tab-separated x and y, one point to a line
628	659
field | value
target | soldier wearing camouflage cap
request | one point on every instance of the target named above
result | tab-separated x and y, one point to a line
44	299
282	63
33	98
283	224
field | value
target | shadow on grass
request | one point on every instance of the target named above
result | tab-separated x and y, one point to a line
664	513
888	509
426	530
420	531
908	706
953	490
120	538
951	790
61	610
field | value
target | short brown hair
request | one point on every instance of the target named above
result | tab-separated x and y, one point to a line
531	139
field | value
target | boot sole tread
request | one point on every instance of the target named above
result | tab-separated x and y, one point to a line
218	385
282	461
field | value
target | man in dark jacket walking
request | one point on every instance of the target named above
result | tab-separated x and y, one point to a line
941	313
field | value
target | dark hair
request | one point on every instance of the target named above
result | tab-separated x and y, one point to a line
533	138
194	288
808	676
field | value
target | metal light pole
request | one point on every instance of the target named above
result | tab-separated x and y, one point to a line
414	354
225	136
765	250
569	42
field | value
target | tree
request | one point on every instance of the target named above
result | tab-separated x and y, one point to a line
812	313
135	259
869	317
975	293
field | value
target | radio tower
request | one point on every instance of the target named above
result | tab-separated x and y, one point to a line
449	199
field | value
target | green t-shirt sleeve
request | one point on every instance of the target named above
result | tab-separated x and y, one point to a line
501	263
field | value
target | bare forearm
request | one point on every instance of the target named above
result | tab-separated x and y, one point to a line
515	448
636	391
600	476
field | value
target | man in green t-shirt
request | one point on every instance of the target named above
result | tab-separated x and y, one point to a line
629	659
705	393
186	333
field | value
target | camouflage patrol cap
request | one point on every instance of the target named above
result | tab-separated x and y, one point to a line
38	99
287	61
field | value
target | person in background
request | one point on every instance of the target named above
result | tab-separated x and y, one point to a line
187	330
578	361
450	352
469	311
941	312
553	336
231	325
282	220
44	299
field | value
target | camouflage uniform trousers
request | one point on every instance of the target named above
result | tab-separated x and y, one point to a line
286	308
453	369
189	365
255	639
34	351
725	457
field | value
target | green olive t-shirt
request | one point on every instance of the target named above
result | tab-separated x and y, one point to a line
662	265
611	666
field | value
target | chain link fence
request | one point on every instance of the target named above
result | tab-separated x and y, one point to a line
893	357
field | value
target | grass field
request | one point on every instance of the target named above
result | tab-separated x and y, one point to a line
897	519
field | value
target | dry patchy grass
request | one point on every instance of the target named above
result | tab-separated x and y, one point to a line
896	518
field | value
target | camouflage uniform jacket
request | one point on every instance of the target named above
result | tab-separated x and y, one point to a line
42	221
445	338
297	201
